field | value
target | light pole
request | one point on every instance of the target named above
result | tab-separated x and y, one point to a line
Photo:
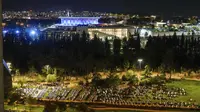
140	62
1	63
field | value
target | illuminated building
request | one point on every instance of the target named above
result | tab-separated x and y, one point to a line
110	31
75	21
73	25
63	32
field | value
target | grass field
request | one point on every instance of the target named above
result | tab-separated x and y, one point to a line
40	109
22	107
33	108
192	88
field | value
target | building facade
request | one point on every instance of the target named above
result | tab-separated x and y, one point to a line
75	21
110	31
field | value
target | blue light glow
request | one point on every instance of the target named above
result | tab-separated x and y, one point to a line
17	32
5	31
32	32
74	21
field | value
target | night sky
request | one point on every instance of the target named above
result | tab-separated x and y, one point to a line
164	7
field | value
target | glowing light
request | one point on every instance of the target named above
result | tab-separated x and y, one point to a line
74	21
9	66
17	31
5	31
32	32
145	33
140	60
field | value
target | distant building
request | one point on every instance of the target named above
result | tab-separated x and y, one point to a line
110	31
75	21
74	25
63	32
160	24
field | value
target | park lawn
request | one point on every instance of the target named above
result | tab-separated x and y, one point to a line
33	109
192	89
23	107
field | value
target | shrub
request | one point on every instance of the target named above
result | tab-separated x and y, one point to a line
21	82
111	81
51	78
130	76
41	78
13	96
81	83
129	73
61	107
50	107
124	78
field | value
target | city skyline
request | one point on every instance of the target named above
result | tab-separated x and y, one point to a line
165	8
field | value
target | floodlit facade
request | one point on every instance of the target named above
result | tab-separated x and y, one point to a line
75	21
72	25
109	32
62	32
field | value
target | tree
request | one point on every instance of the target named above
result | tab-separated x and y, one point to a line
47	69
107	48
84	108
61	107
126	65
112	81
116	52
134	80
50	107
21	82
193	21
117	47
32	70
51	78
60	73
138	45
147	71
30	101
168	61
131	77
96	80
13	97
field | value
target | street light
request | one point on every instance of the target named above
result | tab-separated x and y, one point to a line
140	62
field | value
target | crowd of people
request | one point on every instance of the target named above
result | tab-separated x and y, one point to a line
148	96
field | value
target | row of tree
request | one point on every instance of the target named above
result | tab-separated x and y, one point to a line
78	54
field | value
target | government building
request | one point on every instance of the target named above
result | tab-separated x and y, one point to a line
90	25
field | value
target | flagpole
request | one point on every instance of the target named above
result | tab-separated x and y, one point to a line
1	63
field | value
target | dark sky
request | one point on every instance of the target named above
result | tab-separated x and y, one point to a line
165	7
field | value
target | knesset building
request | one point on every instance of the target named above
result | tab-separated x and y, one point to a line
71	25
75	21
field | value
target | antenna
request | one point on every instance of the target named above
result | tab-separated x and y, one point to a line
68	13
